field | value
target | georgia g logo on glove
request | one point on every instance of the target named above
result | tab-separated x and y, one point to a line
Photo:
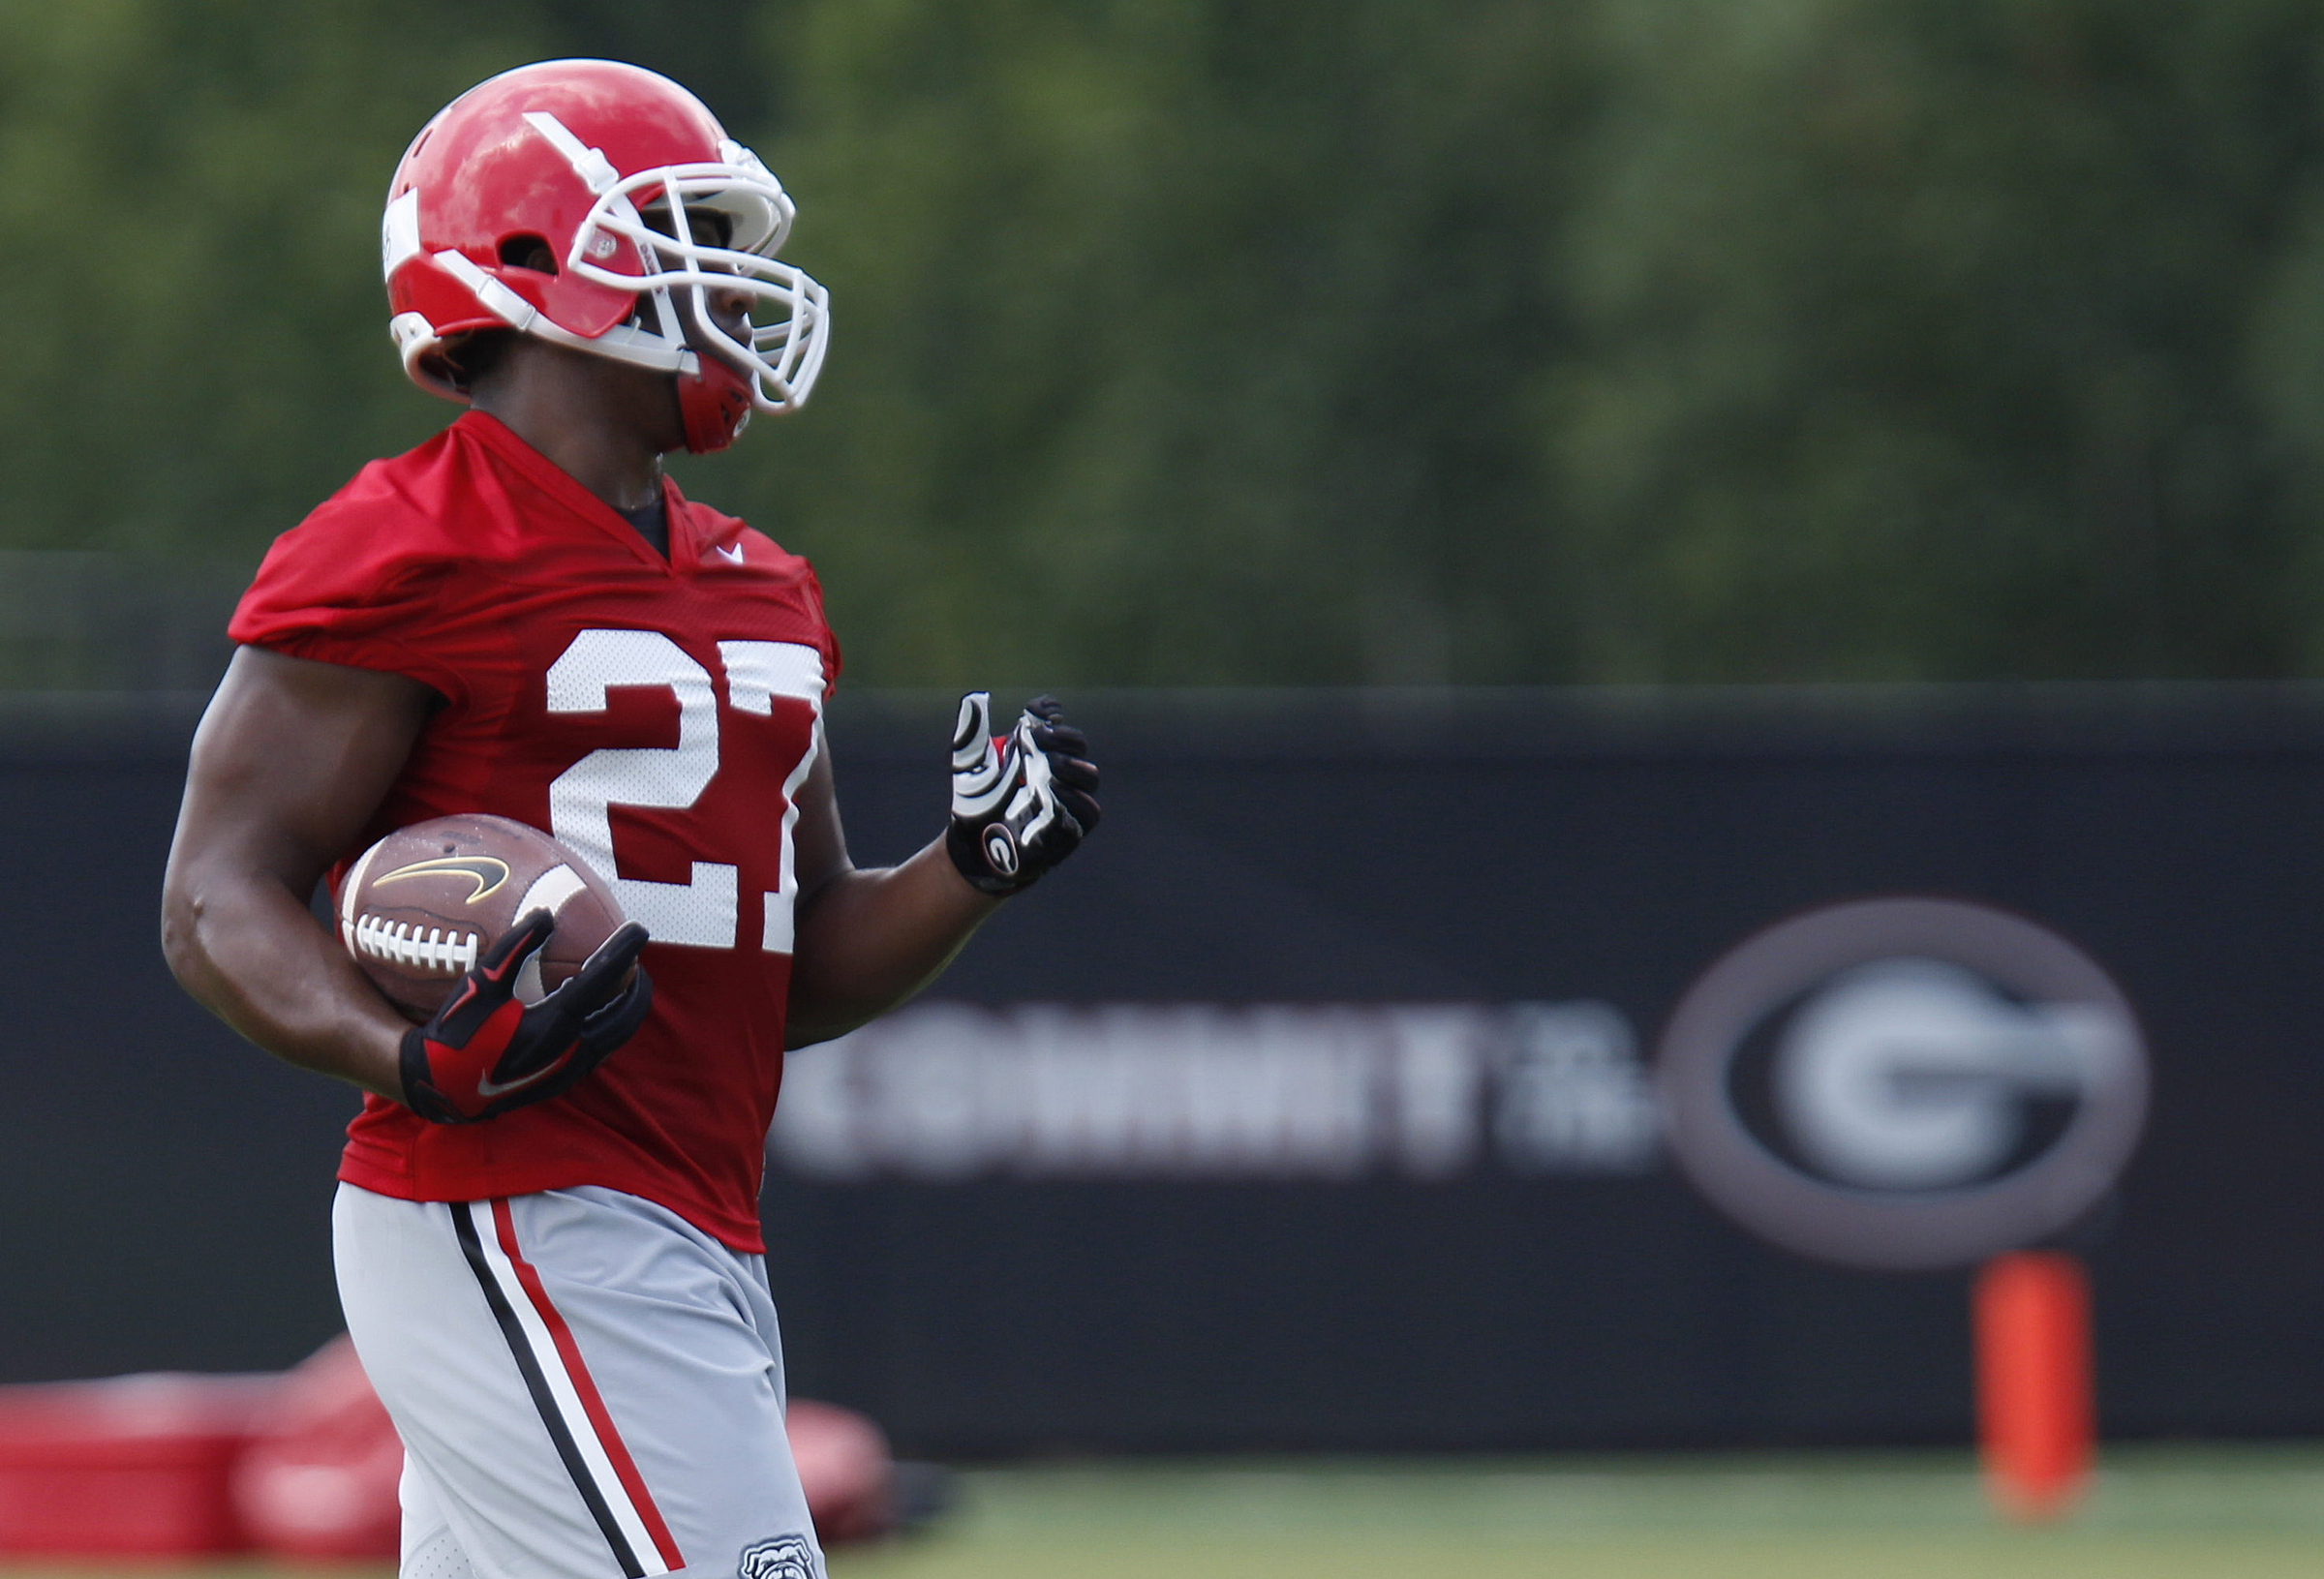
1021	801
486	1052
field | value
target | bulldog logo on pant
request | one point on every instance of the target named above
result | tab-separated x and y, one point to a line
781	1556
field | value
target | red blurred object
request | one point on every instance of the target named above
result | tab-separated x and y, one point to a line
2037	1420
303	1464
845	1469
133	1465
319	1479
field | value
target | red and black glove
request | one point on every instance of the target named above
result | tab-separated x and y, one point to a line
485	1052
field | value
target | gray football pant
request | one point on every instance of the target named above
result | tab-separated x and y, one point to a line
586	1386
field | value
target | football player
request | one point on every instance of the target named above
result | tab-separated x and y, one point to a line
546	1232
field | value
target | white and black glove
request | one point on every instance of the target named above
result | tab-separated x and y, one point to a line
1021	801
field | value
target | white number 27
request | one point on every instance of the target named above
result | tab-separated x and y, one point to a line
701	911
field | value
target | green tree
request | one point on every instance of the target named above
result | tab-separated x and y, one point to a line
1189	341
1179	341
1917	340
190	197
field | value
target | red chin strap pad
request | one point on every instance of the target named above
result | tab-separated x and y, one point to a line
716	404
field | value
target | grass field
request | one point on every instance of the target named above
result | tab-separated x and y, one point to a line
2156	1513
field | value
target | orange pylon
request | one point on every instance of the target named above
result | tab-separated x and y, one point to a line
2036	1419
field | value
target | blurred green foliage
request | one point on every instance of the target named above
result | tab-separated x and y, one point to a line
1197	341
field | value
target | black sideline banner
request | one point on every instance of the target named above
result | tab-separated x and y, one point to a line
1314	1104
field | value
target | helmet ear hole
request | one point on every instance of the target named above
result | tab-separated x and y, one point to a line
524	250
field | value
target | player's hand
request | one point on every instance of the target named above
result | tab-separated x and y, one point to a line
1021	802
486	1052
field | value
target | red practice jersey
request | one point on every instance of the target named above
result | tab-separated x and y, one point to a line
656	716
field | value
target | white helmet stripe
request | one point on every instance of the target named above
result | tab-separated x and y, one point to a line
399	234
595	171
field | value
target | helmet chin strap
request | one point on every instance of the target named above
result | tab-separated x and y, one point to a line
715	402
714	396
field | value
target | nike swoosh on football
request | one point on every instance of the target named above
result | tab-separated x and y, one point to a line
487	872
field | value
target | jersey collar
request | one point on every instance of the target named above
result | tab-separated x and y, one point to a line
555	481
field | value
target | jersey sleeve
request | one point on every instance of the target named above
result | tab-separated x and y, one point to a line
334	590
826	638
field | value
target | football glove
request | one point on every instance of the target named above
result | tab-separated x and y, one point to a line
1021	801
486	1052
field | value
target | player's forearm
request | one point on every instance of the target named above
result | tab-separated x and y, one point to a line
250	952
869	940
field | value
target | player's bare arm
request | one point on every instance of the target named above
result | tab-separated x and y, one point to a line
867	939
290	761
870	939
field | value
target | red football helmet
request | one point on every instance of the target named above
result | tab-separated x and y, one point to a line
613	170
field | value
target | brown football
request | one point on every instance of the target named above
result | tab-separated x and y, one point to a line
417	908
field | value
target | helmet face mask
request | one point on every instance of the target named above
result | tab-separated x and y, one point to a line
616	170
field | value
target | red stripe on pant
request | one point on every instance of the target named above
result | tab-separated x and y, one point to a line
585	1386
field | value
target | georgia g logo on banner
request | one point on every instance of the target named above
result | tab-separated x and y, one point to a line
1903	1083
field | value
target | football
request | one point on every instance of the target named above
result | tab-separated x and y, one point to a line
419	907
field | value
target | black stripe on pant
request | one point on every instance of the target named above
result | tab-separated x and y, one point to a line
520	1344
